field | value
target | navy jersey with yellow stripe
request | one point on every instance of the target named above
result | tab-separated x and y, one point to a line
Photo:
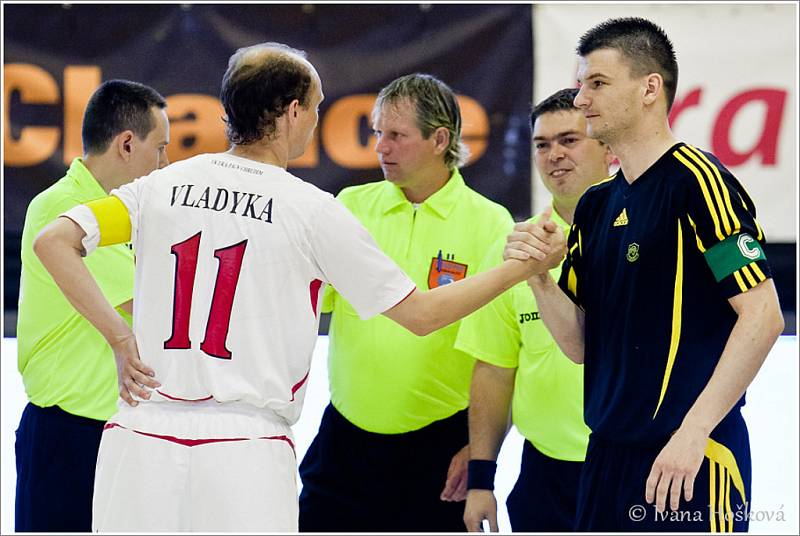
653	264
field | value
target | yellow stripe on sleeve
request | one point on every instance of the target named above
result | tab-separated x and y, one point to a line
704	189
740	281
759	274
749	276
714	188
736	224
573	248
696	236
112	219
572	282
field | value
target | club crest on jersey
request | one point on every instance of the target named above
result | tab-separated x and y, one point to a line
633	252
443	272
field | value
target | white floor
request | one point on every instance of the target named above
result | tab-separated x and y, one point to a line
771	413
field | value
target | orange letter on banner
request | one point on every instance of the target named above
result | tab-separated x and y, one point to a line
35	86
340	132
79	84
474	127
195	125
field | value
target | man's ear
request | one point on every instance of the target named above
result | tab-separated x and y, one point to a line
291	111
441	139
123	144
653	87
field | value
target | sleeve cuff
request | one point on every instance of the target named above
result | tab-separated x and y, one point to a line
86	220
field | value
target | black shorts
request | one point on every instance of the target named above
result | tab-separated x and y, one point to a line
612	489
359	481
56	457
545	495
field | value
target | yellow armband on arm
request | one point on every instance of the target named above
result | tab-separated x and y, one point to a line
113	220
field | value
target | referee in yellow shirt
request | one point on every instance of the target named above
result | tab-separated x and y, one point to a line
67	367
397	419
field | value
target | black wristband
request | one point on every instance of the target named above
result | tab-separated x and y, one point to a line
480	474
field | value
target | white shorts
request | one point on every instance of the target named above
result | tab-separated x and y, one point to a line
207	467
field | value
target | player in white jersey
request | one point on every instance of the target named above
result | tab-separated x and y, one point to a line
231	254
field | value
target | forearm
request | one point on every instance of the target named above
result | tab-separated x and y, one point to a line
748	345
563	319
490	401
425	312
59	249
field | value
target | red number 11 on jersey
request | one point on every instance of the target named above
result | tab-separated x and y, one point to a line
219	317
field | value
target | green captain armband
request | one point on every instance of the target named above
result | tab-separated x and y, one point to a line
732	254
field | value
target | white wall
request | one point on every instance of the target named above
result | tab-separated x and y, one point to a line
725	52
771	413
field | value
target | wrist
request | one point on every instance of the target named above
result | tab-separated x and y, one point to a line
480	474
696	425
119	334
538	280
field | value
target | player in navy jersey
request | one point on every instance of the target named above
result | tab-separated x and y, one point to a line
666	296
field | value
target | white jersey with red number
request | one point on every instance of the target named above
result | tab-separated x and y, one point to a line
231	255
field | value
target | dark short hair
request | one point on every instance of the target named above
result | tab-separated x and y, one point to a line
436	105
259	84
560	101
117	106
642	42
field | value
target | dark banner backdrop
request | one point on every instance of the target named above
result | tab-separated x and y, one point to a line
56	55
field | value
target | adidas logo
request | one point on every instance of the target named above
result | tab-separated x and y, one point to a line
622	219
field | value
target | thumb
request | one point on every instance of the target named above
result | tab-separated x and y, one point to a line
544	217
545	221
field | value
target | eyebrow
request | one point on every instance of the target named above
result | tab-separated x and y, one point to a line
593	76
559	135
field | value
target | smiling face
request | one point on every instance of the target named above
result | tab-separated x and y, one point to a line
567	160
609	97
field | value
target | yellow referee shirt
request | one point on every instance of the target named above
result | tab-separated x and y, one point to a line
63	359
383	378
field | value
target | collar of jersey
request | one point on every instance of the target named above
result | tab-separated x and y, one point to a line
441	203
84	182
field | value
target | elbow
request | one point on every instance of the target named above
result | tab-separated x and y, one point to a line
420	328
778	324
425	323
42	243
575	356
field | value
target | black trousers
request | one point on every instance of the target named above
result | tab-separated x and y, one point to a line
56	457
545	496
359	481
